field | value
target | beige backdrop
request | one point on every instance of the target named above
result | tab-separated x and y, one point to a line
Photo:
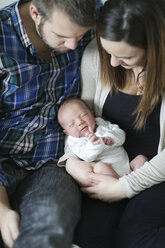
6	2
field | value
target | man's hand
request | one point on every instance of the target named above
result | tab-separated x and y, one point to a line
9	225
9	220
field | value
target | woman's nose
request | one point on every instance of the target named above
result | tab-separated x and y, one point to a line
115	61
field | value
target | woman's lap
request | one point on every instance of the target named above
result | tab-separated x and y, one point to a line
142	223
99	222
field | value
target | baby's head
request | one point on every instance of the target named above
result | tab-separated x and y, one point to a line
76	118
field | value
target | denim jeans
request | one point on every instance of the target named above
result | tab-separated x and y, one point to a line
48	201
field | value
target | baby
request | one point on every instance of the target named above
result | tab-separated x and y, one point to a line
95	140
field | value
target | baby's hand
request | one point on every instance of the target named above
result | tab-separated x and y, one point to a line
108	141
93	138
138	162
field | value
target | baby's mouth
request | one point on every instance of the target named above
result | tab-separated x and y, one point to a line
84	129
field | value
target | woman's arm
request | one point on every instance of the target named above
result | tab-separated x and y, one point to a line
88	74
80	170
105	188
151	173
110	189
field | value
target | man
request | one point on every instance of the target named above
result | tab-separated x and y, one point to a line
41	44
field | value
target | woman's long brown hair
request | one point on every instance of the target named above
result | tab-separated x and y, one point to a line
140	23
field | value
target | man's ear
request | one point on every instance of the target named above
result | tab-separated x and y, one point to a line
34	13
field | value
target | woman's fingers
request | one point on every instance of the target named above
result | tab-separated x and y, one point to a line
106	188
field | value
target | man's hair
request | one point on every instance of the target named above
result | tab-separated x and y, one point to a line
81	12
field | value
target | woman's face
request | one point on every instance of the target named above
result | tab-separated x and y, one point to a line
123	54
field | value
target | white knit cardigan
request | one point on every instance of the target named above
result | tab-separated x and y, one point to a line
153	171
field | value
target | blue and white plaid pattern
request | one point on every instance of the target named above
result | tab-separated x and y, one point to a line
30	92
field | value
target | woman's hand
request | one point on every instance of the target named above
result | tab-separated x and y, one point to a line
105	188
80	170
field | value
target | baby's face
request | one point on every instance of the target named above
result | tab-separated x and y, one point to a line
78	120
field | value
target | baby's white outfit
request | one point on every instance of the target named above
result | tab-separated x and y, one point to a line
113	154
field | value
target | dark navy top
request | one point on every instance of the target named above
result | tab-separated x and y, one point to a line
118	108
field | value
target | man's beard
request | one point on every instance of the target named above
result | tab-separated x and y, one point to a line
42	36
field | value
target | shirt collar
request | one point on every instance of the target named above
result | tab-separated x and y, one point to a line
18	24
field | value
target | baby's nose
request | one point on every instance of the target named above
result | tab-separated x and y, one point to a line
79	121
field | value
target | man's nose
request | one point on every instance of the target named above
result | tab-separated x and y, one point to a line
71	43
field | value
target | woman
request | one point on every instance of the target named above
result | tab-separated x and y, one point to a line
126	84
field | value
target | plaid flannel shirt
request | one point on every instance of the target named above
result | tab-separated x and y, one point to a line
30	92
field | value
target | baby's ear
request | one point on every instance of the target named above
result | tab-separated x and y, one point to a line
92	112
65	131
